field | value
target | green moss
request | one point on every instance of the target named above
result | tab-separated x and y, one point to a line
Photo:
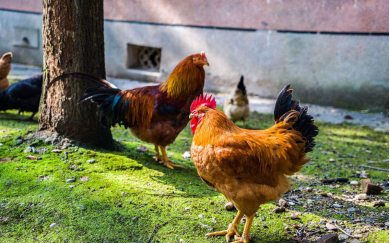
128	193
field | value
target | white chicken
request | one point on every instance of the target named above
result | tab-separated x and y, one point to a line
236	105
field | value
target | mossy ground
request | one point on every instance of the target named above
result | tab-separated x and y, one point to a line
128	193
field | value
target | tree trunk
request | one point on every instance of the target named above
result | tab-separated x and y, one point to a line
73	41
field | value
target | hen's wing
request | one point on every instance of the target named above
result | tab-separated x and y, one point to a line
258	156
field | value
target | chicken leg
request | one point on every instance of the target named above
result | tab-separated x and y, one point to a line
158	157
246	234
168	163
232	230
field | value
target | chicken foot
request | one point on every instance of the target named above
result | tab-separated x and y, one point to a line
168	163
158	157
232	230
246	234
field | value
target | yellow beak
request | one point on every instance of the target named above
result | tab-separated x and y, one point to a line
207	64
191	116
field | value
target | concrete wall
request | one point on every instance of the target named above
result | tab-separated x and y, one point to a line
334	69
368	16
10	38
342	70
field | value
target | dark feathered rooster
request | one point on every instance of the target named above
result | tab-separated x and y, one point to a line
154	114
23	95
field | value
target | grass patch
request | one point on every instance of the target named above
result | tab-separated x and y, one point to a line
123	195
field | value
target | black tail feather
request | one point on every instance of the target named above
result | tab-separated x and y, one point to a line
304	124
84	76
241	85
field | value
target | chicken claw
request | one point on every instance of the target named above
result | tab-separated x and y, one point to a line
232	230
242	239
246	235
167	162
171	165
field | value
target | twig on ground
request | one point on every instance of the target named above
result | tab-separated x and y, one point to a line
313	233
373	168
163	224
328	181
352	236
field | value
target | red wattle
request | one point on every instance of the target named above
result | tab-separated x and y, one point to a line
194	124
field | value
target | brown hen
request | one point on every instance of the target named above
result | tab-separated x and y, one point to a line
249	167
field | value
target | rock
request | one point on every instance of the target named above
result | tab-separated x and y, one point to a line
214	220
72	167
364	174
330	226
142	148
229	206
279	210
356	241
48	141
351	209
70	180
343	237
56	151
71	186
82	207
370	188
135	219
29	150
348	117
65	145
379	203
1	145
309	201
187	208
119	205
91	161
330	238
205	226
332	160
351	155
361	197
186	155
354	183
283	203
336	205
53	225
201	216
295	215
309	189
84	178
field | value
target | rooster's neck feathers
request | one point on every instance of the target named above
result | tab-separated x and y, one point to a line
184	79
214	125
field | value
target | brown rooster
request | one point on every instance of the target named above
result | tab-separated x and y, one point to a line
249	167
5	67
154	114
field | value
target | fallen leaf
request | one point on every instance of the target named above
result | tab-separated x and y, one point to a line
31	157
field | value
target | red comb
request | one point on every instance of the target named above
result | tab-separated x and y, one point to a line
203	54
203	101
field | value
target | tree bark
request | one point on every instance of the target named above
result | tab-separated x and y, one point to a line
73	41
